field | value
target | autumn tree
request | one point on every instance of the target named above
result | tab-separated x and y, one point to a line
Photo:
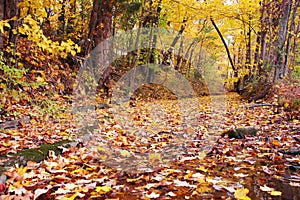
272	56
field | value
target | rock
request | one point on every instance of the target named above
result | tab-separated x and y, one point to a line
36	154
240	133
103	106
292	151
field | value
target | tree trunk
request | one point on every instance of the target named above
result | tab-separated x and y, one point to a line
100	26
248	47
256	66
152	57
100	23
167	54
281	39
235	72
2	6
290	35
225	45
260	43
294	48
10	10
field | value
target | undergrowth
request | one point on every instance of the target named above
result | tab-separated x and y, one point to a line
18	92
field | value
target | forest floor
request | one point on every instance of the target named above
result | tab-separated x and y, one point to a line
137	154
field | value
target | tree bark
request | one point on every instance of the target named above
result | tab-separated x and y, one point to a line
168	53
10	10
100	29
294	47
2	6
100	23
290	35
281	39
248	47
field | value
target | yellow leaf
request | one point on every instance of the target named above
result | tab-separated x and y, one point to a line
125	153
40	79
130	180
7	24
21	171
202	168
241	194
101	149
73	53
154	157
189	175
266	188
61	86
202	154
103	189
71	197
84	189
203	189
275	193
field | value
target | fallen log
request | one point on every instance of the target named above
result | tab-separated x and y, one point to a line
262	94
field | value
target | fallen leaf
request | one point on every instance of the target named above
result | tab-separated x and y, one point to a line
153	195
266	188
183	184
39	192
171	194
2	187
241	194
276	143
125	153
241	175
103	189
275	193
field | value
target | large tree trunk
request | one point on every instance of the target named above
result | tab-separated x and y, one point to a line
289	39
100	24
10	10
281	39
100	29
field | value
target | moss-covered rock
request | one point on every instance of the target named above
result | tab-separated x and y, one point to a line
37	154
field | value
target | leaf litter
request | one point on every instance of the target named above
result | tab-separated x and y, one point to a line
232	168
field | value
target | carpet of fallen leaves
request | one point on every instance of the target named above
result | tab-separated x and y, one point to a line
248	168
